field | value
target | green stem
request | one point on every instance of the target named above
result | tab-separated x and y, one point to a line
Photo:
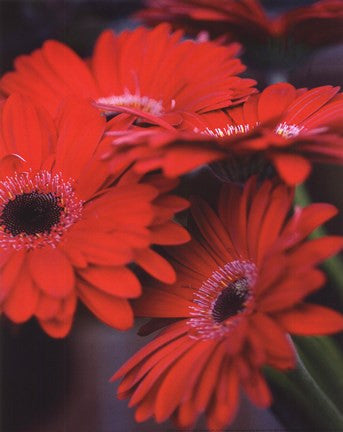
328	410
307	396
323	359
334	265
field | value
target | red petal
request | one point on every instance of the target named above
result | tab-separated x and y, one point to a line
209	378
81	127
22	301
310	319
113	311
116	281
101	248
105	62
155	265
156	366
169	233
52	272
27	131
47	307
10	272
181	160
159	303
56	328
305	220
69	69
315	251
212	229
291	290
274	217
274	100
293	169
257	390
170	333
226	395
308	103
10	164
272	336
175	384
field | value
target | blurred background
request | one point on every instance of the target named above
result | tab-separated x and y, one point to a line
52	385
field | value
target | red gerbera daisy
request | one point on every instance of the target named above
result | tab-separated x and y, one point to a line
281	125
246	20
67	229
240	290
148	73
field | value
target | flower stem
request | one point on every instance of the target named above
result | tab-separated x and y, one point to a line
323	359
334	265
300	387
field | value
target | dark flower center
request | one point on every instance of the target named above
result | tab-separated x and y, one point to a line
31	213
231	300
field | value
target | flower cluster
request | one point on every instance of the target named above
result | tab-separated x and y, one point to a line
98	157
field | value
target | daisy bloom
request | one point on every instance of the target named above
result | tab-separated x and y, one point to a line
246	20
152	74
240	287
68	230
281	126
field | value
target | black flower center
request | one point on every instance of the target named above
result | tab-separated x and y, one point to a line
31	213
231	300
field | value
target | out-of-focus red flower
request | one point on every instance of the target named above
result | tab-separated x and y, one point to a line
68	230
286	127
318	24
246	20
153	74
239	292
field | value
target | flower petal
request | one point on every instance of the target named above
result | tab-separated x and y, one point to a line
113	311
293	169
51	271
311	319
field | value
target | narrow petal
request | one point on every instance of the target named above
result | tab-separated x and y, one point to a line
175	384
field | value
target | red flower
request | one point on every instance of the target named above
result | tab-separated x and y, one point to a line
246	20
286	127
240	290
68	230
318	24
147	73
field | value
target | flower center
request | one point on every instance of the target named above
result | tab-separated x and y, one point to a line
222	300
31	213
36	210
288	130
141	103
226	131
283	129
231	300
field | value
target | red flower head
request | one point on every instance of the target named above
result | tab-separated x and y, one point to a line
240	290
67	229
147	73
317	24
281	125
246	20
